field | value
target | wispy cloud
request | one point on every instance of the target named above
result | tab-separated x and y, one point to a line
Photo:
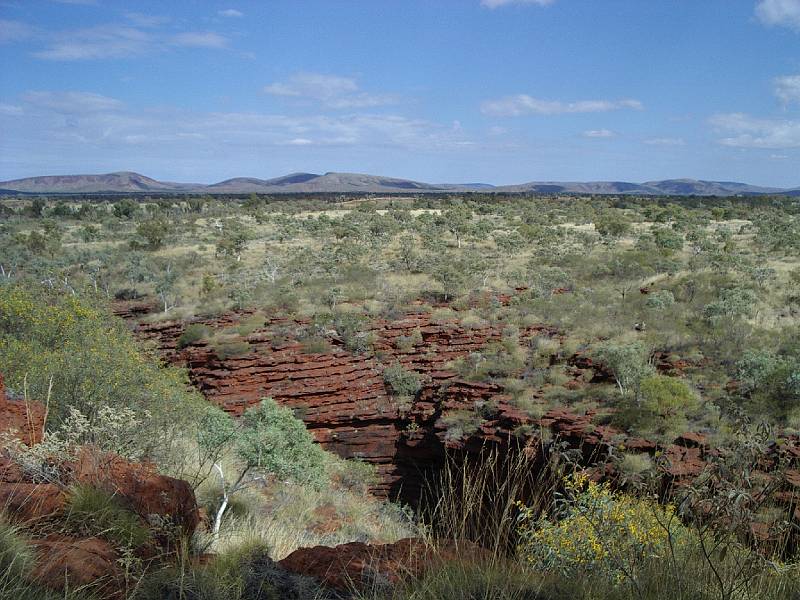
598	133
15	31
522	104
332	91
785	13
498	3
144	20
199	39
80	121
72	103
665	141
230	13
104	41
787	88
123	41
745	131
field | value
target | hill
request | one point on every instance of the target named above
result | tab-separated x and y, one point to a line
343	183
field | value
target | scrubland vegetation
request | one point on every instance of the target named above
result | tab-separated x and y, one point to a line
708	286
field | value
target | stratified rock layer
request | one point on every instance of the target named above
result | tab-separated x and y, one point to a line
342	397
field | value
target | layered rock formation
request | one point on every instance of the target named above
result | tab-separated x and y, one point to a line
342	397
345	403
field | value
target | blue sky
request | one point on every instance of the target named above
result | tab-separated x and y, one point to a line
496	91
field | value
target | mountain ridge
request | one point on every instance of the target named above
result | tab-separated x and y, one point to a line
335	182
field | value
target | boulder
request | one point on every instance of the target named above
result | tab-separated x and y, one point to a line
70	563
156	498
364	566
28	502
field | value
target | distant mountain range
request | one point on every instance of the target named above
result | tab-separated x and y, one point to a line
299	183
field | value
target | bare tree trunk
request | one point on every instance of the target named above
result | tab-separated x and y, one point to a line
223	506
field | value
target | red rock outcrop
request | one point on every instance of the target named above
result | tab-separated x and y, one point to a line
71	563
139	486
28	502
64	561
356	565
23	420
342	397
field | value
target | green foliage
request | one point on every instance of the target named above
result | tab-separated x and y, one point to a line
628	362
665	402
193	334
660	300
349	327
153	232
612	224
269	438
733	303
16	557
226	348
272	439
401	382
460	424
599	531
89	361
93	511
772	383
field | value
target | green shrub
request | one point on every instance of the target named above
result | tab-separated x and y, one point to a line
635	464
225	349
315	345
96	512
660	300
91	361
666	395
16	557
193	334
406	343
460	424
272	439
628	362
400	381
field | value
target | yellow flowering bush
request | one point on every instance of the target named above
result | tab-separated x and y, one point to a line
598	530
61	348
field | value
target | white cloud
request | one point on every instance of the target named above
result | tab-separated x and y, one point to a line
104	41
82	123
143	20
522	104
199	39
787	88
230	13
665	141
15	31
117	41
784	13
498	3
331	91
72	103
598	133
750	132
10	109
